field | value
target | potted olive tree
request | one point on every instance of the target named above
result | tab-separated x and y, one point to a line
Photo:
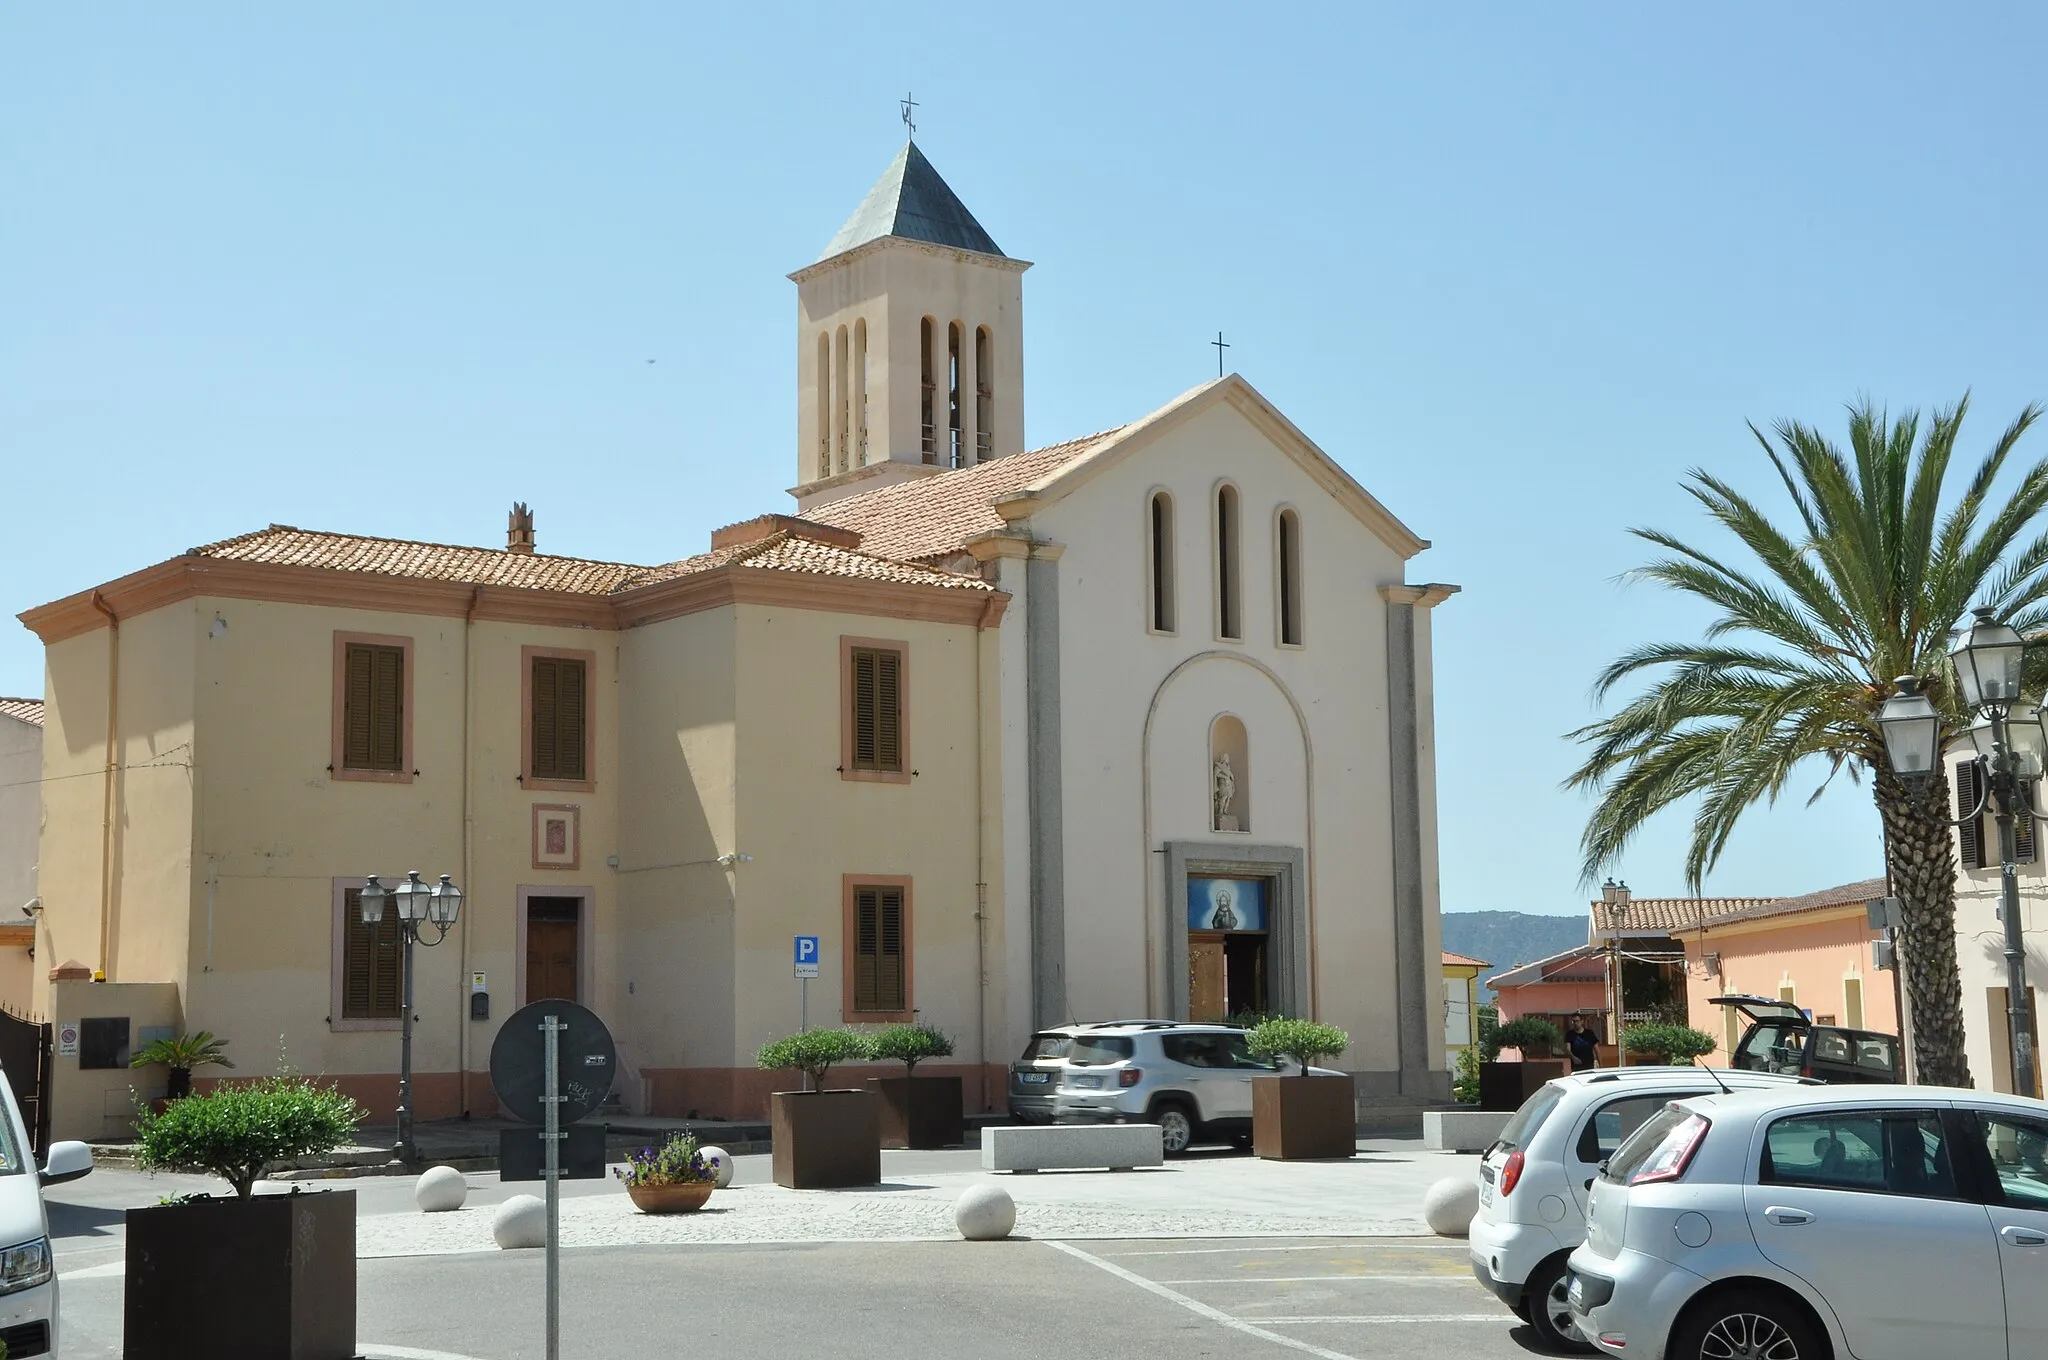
1505	1085
1312	1112
822	1139
917	1112
180	1056
291	1258
1657	1044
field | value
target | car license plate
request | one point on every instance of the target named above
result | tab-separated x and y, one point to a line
1577	1294
1032	1078
1090	1082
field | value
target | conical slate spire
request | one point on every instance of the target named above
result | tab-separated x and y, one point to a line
911	201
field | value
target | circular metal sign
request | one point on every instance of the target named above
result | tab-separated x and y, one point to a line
588	1061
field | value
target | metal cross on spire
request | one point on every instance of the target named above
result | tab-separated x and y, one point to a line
909	118
1220	345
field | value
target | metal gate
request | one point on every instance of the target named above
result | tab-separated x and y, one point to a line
25	1056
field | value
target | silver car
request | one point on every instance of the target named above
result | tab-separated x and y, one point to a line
1880	1222
1194	1081
1036	1073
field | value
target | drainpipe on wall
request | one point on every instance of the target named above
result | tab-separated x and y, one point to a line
462	1021
982	645
107	796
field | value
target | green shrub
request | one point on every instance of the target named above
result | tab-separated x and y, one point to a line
813	1052
1536	1038
1302	1040
236	1131
1679	1043
1465	1089
909	1045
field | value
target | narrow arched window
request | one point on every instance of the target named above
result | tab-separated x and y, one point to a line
824	404
860	393
844	403
1229	598
1287	546
1161	539
956	449
984	395
929	434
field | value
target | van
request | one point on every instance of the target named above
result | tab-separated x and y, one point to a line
1780	1038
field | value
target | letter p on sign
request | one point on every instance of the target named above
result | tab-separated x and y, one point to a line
806	956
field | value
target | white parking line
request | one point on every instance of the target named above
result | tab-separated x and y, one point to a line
1376	1245
408	1353
1384	1317
1199	1308
1325	1279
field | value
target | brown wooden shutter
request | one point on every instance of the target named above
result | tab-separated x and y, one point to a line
370	963
867	912
387	708
355	710
864	667
889	710
569	720
545	693
890	964
1969	835
2023	824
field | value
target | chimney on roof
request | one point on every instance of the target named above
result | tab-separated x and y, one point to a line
519	530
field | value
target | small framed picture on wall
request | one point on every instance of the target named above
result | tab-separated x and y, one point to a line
557	836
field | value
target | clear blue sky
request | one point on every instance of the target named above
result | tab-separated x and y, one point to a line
388	269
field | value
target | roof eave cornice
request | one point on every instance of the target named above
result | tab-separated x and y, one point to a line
880	243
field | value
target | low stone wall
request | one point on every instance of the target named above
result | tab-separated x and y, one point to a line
1071	1147
1463	1130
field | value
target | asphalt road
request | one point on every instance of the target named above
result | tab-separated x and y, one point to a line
1340	1299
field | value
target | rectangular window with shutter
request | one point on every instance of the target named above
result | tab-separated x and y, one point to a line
874	744
1970	834
877	949
372	708
2023	824
367	962
558	718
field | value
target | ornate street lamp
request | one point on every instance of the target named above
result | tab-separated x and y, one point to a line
419	905
2010	746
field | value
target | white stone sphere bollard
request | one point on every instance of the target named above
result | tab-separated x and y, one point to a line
1448	1206
722	1159
521	1221
985	1213
440	1189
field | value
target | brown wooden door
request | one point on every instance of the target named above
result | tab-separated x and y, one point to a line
1205	978
550	961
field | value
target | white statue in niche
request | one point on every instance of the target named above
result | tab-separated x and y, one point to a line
1225	792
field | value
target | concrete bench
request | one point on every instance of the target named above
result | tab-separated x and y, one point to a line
1462	1130
1068	1147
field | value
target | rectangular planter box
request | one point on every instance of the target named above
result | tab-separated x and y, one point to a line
826	1139
1295	1118
272	1276
1505	1085
920	1112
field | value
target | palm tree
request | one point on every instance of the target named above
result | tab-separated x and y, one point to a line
1807	641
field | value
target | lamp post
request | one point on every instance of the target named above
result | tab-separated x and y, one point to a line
419	905
2009	749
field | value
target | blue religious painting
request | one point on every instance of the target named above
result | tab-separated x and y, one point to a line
1226	904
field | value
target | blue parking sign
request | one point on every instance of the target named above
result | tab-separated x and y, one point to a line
806	956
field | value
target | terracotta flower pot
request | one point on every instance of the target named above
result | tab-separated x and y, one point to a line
684	1197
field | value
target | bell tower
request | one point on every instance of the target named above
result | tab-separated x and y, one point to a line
910	334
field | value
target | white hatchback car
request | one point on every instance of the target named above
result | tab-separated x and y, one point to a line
28	1277
1533	1181
1884	1223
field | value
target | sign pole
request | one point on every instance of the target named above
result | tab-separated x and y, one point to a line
551	1078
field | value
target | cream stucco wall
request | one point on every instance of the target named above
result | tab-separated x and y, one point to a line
1137	708
21	773
1980	959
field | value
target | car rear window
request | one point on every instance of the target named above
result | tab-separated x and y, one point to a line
1644	1141
1095	1050
1530	1117
1045	1046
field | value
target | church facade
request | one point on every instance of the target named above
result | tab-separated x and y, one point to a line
1136	724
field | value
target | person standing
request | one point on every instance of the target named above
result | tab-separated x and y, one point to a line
1581	1044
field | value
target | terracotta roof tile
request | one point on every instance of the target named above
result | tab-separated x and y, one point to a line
1460	961
283	545
1842	895
1643	914
787	551
937	516
28	710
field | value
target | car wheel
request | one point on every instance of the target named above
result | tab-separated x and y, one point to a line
1176	1127
1749	1324
1550	1313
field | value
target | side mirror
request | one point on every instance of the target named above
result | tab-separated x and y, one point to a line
66	1162
1589	1182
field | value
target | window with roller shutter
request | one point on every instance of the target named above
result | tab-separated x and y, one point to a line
373	708
560	699
370	958
878	950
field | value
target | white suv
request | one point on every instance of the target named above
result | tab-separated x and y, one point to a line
1532	1182
1884	1223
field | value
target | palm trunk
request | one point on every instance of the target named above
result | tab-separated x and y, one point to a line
1921	860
